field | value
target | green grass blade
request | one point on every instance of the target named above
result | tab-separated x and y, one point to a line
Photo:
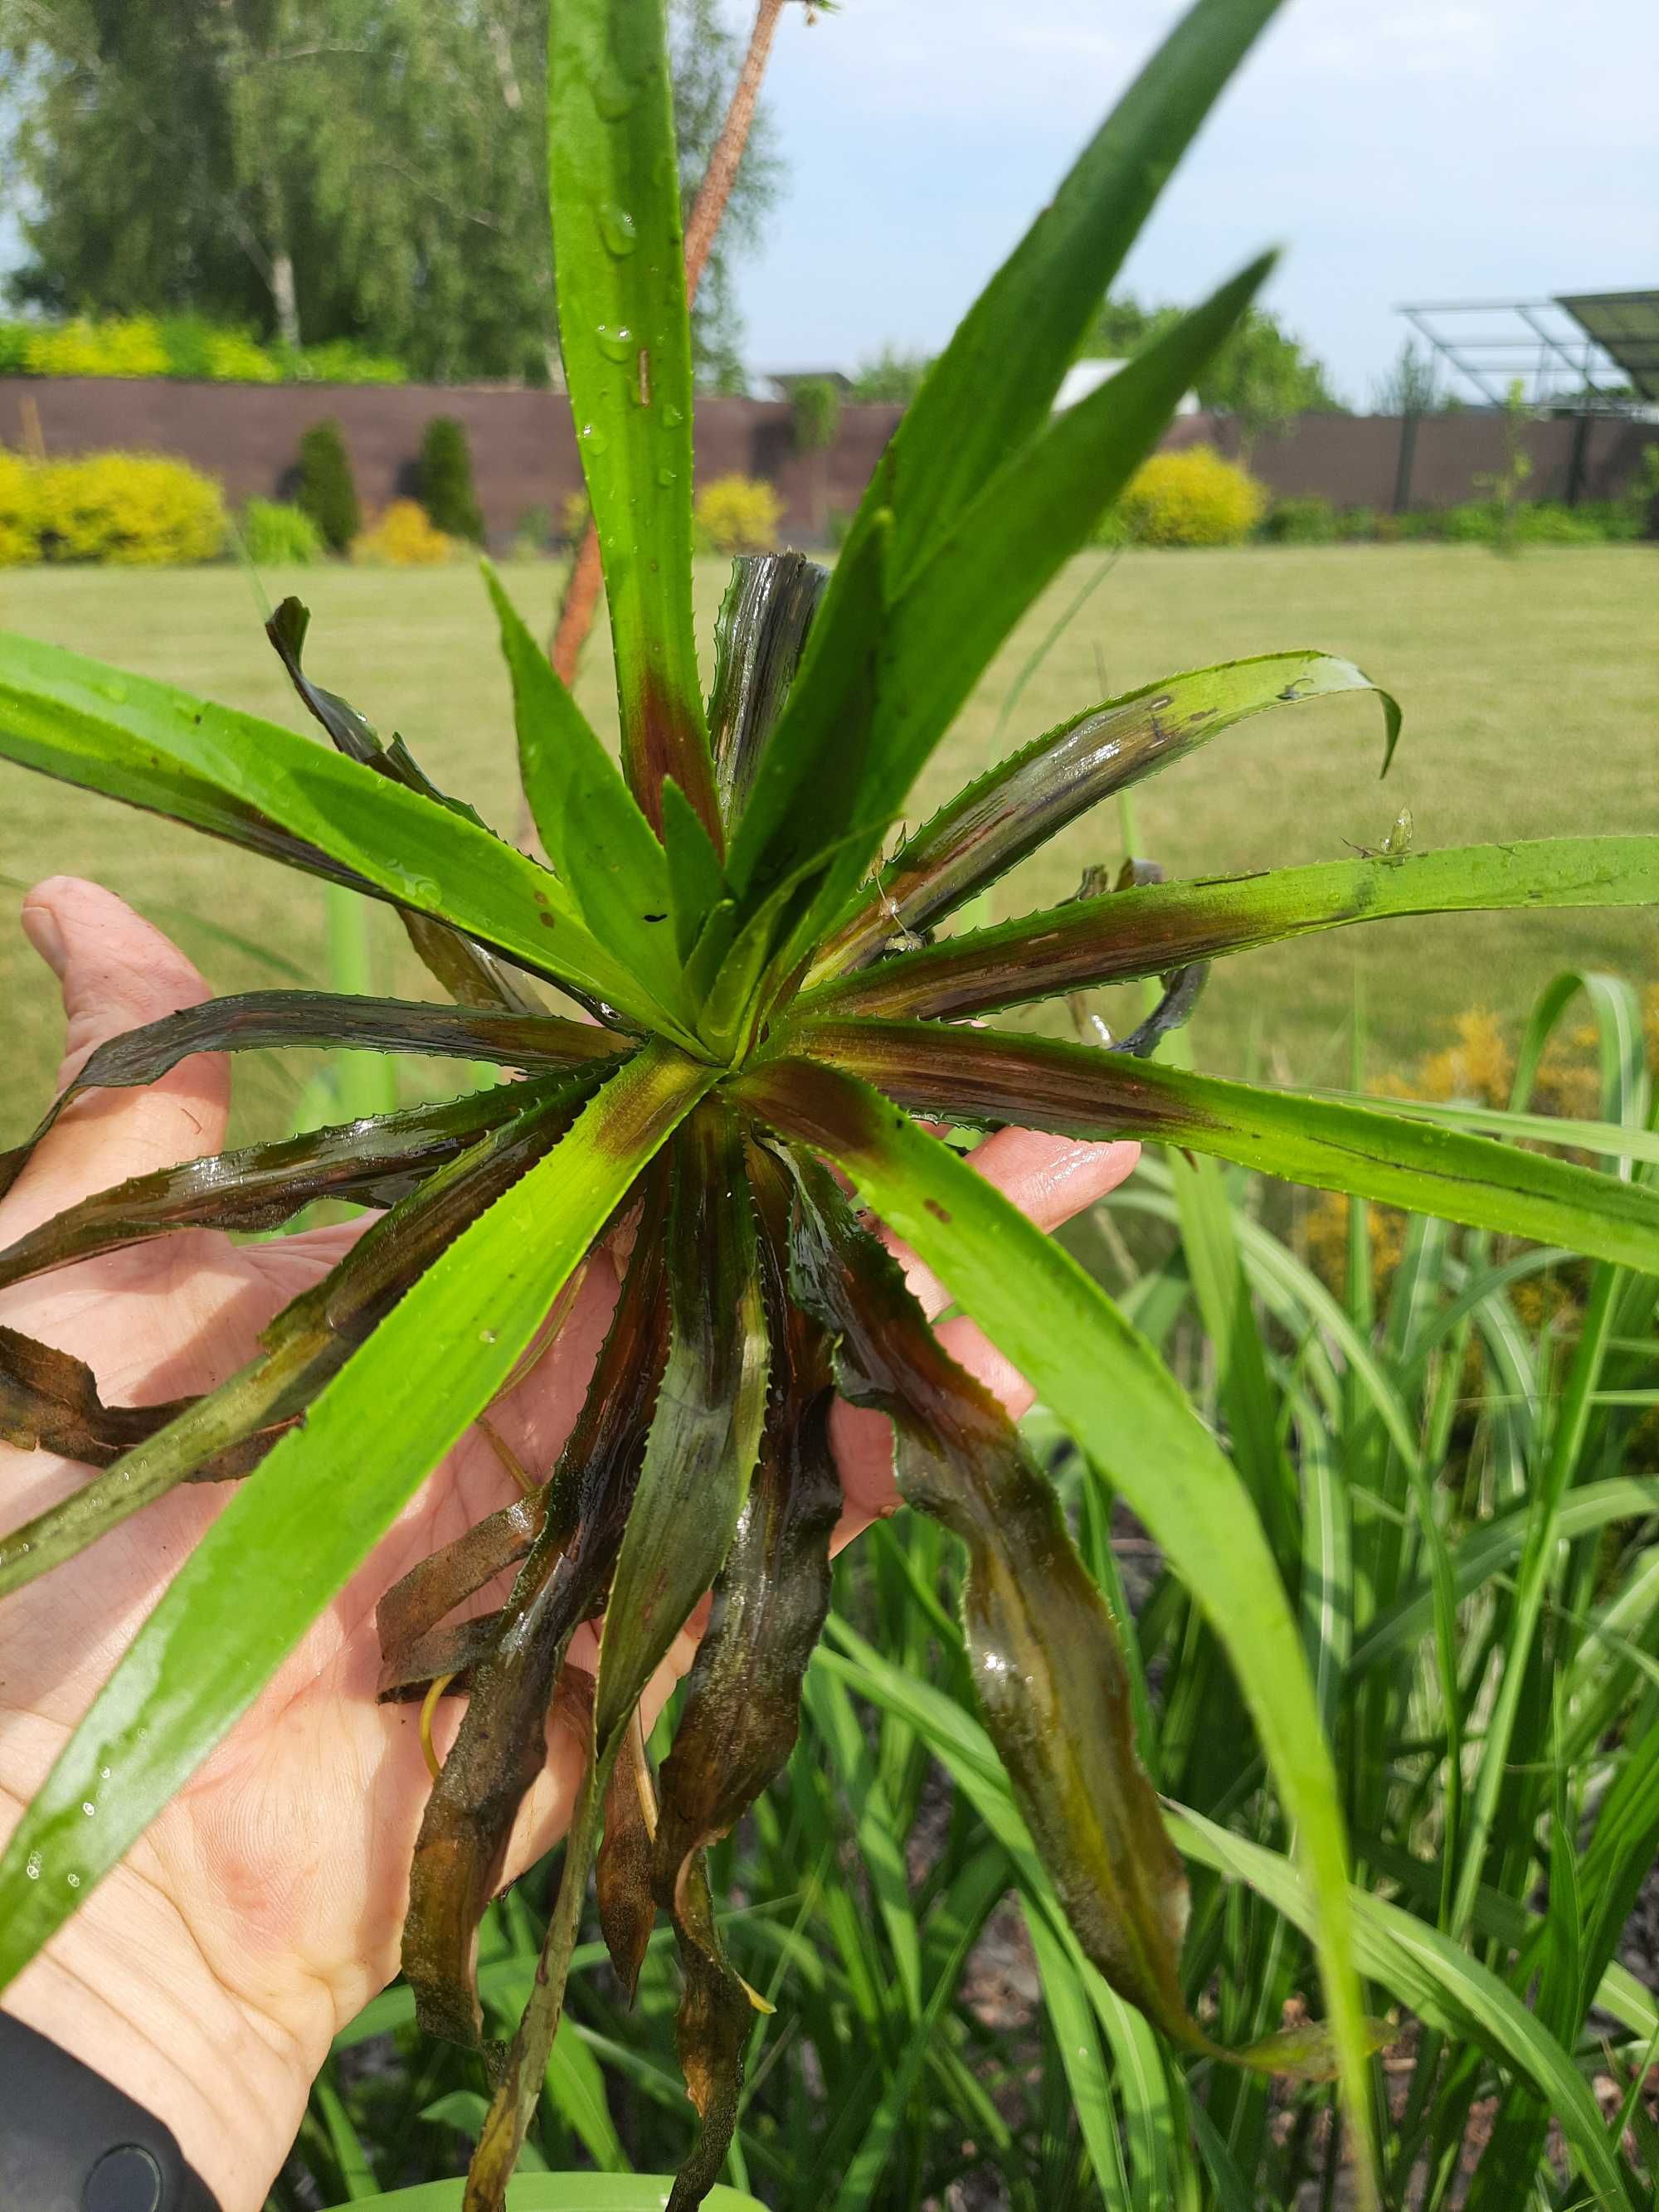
1016	806
626	341
263	787
1488	1549
576	2089
599	842
224	1624
1078	2039
1148	932
1443	1985
991	389
1613	1141
981	1075
566	2192
1126	1411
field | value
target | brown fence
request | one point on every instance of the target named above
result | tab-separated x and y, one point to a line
524	448
1434	460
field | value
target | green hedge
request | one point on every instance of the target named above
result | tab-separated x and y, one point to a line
183	346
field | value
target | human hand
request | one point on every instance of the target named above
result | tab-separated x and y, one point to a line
207	1975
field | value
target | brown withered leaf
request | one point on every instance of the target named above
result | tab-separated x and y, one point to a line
500	1747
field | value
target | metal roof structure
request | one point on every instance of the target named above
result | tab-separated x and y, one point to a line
1582	353
1625	325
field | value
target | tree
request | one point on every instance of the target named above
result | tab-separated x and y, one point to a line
891	376
1263	376
366	168
1411	387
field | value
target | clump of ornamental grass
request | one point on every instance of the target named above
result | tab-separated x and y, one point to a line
769	997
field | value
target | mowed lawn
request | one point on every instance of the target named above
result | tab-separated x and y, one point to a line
1530	690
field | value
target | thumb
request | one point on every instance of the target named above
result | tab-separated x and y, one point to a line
116	973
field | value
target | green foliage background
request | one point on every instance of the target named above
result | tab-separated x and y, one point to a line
394	150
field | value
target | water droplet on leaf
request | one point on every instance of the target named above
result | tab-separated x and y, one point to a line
32	1866
672	416
614	343
618	229
665	478
74	1880
89	1807
613	96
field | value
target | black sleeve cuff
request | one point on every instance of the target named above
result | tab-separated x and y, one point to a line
71	2141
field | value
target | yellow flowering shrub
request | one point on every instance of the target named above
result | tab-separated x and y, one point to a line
403	537
139	510
1192	497
128	346
232	357
738	514
20	536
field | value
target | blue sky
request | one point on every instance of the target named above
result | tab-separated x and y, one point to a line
1396	148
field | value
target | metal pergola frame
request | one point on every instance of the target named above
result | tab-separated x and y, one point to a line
1539	341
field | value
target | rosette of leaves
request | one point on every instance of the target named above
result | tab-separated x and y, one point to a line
766	1000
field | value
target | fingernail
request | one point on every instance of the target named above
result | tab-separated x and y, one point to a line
41	929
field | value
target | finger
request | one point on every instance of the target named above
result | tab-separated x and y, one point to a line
863	1441
116	973
1050	1179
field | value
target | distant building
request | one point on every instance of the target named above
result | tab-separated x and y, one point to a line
1083	377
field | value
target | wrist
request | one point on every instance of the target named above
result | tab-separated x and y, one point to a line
126	1988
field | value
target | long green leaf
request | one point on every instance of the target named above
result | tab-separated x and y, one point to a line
1126	1411
1145	933
979	1075
1020	803
229	773
940	631
627	346
224	1623
992	388
599	842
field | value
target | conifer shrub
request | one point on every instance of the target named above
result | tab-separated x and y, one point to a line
447	489
328	490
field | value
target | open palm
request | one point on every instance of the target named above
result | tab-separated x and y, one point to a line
265	1906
